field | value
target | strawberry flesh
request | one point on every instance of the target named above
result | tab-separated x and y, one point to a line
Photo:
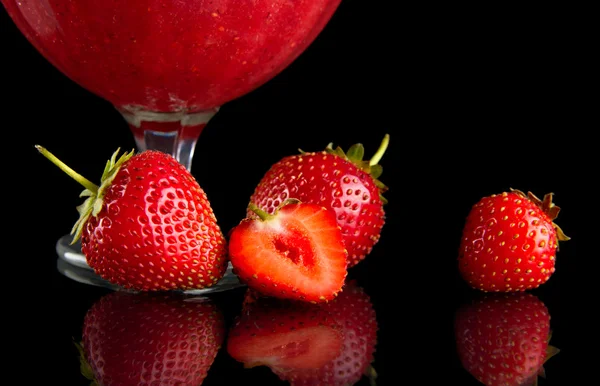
296	253
334	182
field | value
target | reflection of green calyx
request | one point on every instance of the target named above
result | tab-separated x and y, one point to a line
93	204
355	155
550	352
84	366
372	375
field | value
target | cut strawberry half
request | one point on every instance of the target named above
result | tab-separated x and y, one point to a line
295	253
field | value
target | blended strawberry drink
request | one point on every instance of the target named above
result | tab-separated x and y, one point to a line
168	65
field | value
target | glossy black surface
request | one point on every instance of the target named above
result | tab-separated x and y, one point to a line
470	102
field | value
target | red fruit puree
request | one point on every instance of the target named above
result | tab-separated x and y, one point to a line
170	55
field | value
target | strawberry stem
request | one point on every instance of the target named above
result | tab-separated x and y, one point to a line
70	172
259	212
381	151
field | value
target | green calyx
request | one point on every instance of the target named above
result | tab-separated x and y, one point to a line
264	216
548	207
356	154
94	193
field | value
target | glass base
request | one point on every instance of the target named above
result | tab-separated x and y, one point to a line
72	264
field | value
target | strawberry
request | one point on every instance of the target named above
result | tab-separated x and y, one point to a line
150	338
509	242
149	225
296	253
283	334
352	310
502	339
333	179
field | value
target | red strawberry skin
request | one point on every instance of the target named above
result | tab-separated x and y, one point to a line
509	242
149	338
502	339
352	310
297	253
156	229
334	182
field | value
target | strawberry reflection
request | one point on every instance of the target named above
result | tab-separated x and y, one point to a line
503	339
150	339
308	344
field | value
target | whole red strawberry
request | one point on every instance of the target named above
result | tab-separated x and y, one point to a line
149	225
336	180
502	339
150	339
509	242
295	253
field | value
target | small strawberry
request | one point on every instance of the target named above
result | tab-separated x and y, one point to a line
331	178
149	225
150	339
509	242
502	339
352	310
297	252
283	334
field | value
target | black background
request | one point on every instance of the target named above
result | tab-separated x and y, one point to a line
473	98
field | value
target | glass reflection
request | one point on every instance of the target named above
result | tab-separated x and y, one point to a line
308	344
503	339
150	339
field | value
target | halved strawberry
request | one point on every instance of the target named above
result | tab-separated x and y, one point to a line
284	335
296	253
341	181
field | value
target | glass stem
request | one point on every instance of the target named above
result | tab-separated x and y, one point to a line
172	133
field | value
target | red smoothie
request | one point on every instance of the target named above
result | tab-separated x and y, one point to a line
170	55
